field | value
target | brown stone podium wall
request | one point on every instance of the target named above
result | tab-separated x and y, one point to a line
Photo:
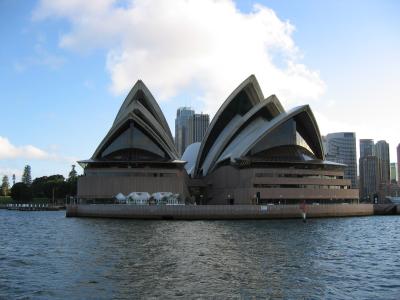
216	212
106	183
241	184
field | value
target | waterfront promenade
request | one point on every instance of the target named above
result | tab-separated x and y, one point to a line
32	207
216	212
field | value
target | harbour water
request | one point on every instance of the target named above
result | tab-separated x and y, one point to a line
44	255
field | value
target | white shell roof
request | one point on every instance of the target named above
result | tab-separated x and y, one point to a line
141	107
190	156
241	133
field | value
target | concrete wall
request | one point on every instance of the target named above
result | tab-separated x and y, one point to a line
106	183
217	212
239	184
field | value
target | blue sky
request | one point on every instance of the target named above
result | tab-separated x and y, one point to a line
66	66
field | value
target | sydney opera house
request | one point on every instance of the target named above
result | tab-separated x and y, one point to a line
254	152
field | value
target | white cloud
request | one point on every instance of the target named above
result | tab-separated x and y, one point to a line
172	45
10	151
40	57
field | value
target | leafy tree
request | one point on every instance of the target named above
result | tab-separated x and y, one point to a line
21	192
73	187
5	186
47	186
38	187
63	189
13	179
73	174
73	181
26	176
54	184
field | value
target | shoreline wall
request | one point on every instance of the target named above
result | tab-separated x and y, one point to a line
216	212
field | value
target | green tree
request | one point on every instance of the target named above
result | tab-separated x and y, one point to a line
5	186
13	179
21	192
73	174
73	187
72	182
53	185
38	187
26	176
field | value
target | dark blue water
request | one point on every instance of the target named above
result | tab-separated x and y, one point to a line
44	255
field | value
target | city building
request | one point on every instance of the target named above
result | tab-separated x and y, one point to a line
341	148
182	133
198	125
369	178
189	128
253	152
366	147
398	162
375	170
389	192
368	182
382	153
393	172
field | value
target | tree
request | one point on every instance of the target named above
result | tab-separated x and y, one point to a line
13	179
73	181
73	174
38	187
26	176
52	185
5	186
21	192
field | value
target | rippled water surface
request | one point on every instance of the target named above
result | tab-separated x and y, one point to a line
44	255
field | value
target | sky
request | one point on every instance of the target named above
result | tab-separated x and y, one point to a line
67	65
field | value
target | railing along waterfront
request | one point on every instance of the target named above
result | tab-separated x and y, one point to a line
215	212
32	207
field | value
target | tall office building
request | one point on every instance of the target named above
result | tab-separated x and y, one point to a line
183	116
198	125
189	128
341	147
366	147
369	177
393	172
382	153
398	162
369	172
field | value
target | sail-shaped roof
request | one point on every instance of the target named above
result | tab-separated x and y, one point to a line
139	131
247	124
284	130
229	116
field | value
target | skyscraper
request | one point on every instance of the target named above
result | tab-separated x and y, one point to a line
366	147
393	172
198	125
341	147
183	115
398	162
382	153
369	177
189	128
